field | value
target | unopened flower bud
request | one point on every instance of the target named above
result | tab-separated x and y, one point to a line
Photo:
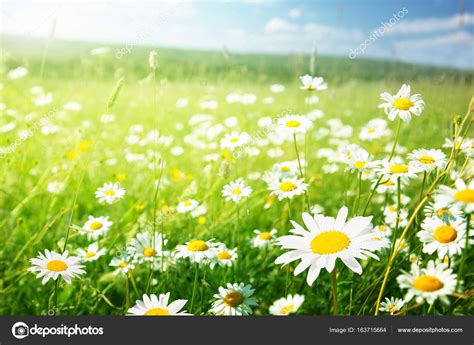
153	60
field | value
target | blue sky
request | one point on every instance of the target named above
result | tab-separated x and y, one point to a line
429	31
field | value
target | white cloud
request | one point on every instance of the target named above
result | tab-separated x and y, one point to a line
331	33
275	25
294	13
432	24
459	37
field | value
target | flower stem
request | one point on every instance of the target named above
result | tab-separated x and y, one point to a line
194	287
466	249
334	292
301	170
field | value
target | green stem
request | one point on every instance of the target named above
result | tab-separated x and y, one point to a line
334	292
301	171
194	287
355	209
466	249
397	135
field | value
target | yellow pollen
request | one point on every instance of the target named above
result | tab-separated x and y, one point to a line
288	186
293	124
234	140
123	264
96	226
89	255
440	213
149	252
197	246
224	255
56	266
157	312
236	191
265	236
233	299
427	283
466	195
329	242
286	310
426	160
360	164
110	192
402	104
445	234
399	169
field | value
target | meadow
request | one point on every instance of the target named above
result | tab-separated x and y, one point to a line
85	119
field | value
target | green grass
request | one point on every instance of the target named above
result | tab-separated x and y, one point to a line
31	219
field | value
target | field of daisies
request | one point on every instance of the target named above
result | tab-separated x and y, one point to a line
142	185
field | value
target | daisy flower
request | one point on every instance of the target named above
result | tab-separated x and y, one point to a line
459	143
55	187
158	306
286	305
375	129
146	247
392	305
427	160
442	210
235	140
293	124
123	264
198	251
402	104
462	195
52	265
236	190
264	238
287	187
446	239
389	185
312	83
96	226
286	169
428	283
109	192
325	240
224	257
92	253
358	159
187	206
234	299
397	170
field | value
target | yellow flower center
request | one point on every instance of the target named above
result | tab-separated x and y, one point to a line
427	283
96	225
360	164
392	308
329	242
293	124
392	209
265	236
466	195
149	252
399	169
236	191
285	169
288	186
233	299
56	265
371	130
89	255
197	246
110	192
440	213
402	104
123	264
224	255
389	183
445	234
382	228
426	159
286	310
234	140
157	312
202	220
187	203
